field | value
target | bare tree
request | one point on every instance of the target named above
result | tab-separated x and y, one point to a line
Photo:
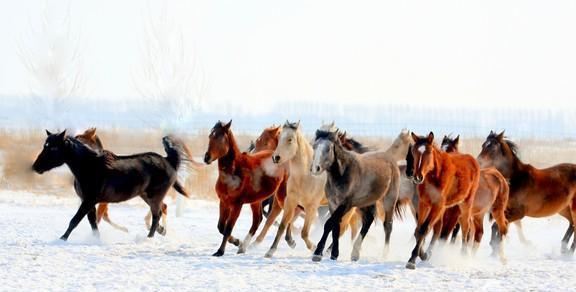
51	53
171	75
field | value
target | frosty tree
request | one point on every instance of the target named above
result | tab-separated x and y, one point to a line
51	53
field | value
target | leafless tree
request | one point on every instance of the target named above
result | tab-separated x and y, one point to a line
170	75
51	53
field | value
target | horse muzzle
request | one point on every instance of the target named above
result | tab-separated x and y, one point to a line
315	170
418	179
276	158
207	158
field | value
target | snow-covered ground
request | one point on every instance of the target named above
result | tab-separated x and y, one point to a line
32	257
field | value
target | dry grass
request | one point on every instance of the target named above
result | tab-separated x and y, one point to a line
20	149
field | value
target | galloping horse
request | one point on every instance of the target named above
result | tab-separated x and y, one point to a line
102	179
354	180
242	179
533	192
491	196
303	188
444	180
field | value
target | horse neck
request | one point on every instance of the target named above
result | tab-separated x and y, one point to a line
301	161
80	162
226	163
512	165
347	159
397	153
439	158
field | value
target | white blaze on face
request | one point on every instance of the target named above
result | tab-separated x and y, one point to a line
321	148
445	147
421	149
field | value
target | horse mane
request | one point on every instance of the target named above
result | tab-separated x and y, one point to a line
82	148
357	146
513	146
322	134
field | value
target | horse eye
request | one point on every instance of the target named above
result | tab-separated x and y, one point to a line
46	145
53	148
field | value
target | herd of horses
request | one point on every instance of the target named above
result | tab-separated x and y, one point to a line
448	192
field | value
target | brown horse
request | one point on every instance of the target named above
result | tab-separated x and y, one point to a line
491	196
242	179
444	180
533	192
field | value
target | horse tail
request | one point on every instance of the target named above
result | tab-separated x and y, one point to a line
500	204
400	209
177	152
395	189
180	189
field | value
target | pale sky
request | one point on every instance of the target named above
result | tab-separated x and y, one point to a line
481	53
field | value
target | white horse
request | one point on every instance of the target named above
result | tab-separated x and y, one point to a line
303	189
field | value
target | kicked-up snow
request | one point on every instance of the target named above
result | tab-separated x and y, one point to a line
33	258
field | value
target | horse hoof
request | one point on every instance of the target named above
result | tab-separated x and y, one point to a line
236	242
241	251
64	238
292	243
316	258
410	266
218	254
333	257
355	258
269	254
424	256
161	231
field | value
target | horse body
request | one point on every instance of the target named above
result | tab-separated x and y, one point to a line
533	192
242	179
354	180
444	180
303	189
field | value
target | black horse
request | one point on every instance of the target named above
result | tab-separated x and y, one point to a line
102	179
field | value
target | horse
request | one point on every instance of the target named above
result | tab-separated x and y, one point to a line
354	180
104	179
91	139
534	192
303	188
268	140
242	179
491	196
397	150
444	180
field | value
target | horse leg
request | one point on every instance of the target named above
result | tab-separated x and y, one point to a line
256	219
449	222
272	215
367	219
156	211
289	208
420	233
455	233
84	208
102	213
328	227
288	235
234	212
336	233
478	232
309	218
222	219
93	221
465	222
520	232
573	222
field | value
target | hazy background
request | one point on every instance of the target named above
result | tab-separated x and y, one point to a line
373	66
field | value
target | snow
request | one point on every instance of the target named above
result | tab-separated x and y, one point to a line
32	256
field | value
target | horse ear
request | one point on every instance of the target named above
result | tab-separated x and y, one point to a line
491	132
90	132
414	137
62	135
457	140
500	136
227	126
333	124
430	138
48	133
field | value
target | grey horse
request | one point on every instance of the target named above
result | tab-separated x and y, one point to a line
354	180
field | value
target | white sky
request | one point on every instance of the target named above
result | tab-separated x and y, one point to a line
462	52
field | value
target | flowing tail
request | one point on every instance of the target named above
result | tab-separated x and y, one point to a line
177	153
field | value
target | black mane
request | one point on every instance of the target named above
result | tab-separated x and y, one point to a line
321	134
513	146
357	146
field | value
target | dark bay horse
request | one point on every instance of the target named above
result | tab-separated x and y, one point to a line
91	139
354	180
242	179
534	192
491	196
444	180
102	179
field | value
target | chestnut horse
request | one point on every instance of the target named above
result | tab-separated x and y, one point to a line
242	179
491	196
534	192
444	180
